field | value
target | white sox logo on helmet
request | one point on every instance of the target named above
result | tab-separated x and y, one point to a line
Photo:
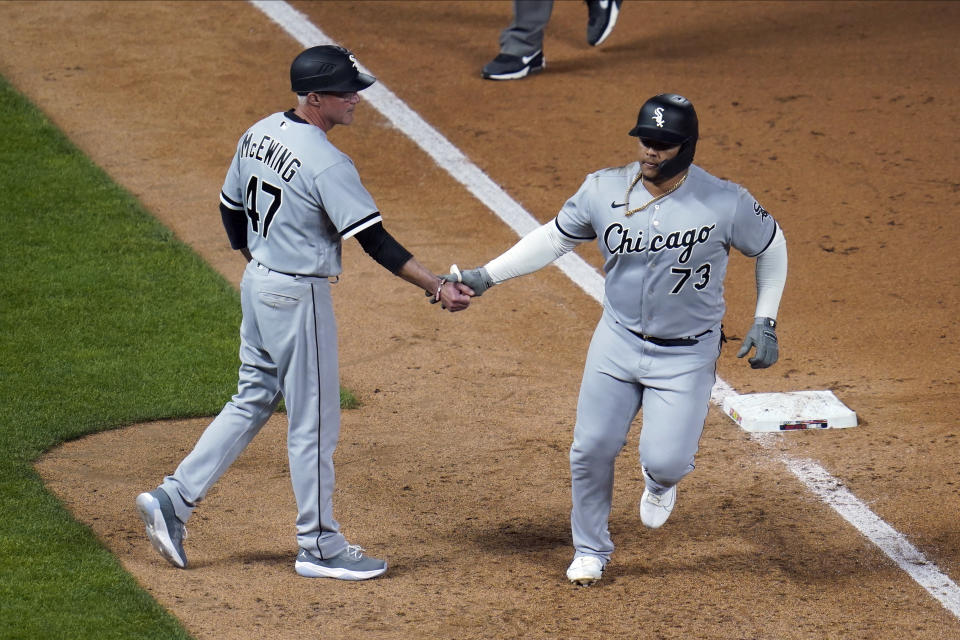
658	116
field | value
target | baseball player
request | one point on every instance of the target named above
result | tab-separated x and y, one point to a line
664	227
288	201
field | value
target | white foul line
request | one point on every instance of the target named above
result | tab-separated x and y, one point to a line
892	542
451	159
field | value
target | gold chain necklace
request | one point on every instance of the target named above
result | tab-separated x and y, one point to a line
663	195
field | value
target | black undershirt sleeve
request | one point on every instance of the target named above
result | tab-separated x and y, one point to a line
383	248
235	222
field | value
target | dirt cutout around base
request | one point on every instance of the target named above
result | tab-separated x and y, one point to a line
841	119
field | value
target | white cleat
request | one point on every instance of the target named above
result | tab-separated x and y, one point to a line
654	509
585	570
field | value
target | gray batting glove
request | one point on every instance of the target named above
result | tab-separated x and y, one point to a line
763	336
477	279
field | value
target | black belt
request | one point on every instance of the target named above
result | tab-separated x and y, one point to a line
669	342
292	275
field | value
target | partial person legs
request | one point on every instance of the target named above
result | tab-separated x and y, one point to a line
621	373
288	342
166	510
521	44
310	371
605	410
607	405
675	405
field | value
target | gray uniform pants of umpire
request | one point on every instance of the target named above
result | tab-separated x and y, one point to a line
524	36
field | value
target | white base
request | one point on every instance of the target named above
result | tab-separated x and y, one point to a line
791	411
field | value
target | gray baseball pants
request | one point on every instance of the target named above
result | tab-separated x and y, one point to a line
622	374
288	348
524	36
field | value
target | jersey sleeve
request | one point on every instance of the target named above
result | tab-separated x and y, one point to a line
231	194
753	226
574	220
232	213
346	201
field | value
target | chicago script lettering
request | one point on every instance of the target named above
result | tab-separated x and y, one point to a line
621	240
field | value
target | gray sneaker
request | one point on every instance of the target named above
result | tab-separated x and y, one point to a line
164	529
349	564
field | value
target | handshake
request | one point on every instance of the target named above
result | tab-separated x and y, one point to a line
466	284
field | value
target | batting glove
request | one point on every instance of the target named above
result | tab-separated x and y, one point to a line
763	336
477	279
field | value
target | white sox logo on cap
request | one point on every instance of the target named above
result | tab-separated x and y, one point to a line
658	116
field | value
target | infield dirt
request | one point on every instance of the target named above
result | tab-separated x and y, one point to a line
840	117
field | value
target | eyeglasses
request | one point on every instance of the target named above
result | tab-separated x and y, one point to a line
658	145
346	96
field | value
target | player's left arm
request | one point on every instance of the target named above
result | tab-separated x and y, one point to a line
771	277
232	212
235	223
542	246
531	253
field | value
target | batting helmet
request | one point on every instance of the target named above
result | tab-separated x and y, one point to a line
327	68
670	118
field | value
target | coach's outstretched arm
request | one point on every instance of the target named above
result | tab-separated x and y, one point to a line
384	248
534	251
771	274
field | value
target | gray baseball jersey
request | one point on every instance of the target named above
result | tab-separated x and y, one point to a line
301	194
665	265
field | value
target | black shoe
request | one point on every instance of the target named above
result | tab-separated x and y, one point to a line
602	16
508	67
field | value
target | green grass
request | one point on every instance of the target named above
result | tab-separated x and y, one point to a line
105	320
348	400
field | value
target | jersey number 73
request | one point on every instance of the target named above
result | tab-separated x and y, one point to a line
703	271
